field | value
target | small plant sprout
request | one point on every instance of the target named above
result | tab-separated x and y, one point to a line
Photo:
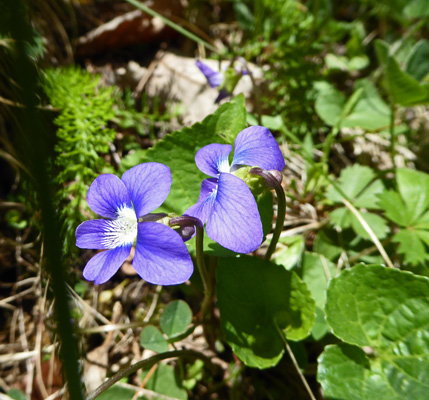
161	257
226	202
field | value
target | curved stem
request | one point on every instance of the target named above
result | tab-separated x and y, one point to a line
186	220
275	184
295	363
146	363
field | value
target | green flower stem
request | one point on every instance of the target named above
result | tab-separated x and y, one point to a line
274	183
186	221
147	363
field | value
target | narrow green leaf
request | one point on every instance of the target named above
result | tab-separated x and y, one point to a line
176	318
151	338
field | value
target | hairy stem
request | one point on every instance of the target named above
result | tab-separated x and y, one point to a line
201	264
274	183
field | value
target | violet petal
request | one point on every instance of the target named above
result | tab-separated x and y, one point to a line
161	256
213	159
204	206
103	266
214	78
148	185
234	221
256	147
107	194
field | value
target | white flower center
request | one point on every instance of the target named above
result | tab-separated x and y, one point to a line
122	230
224	165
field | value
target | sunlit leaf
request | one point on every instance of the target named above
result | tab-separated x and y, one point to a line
256	296
386	310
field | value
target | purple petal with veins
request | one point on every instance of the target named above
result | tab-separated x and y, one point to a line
161	257
257	147
213	159
234	221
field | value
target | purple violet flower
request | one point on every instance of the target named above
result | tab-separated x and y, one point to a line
226	203
214	78
161	257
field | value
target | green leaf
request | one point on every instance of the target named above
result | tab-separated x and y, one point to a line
329	106
403	88
418	61
382	50
417	9
16	394
164	381
327	243
369	197
411	246
414	189
254	297
178	150
266	211
341	217
290	253
345	373
316	271
387	310
342	370
394	207
376	223
117	393
352	181
320	327
370	111
176	318
369	306
151	338
358	62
